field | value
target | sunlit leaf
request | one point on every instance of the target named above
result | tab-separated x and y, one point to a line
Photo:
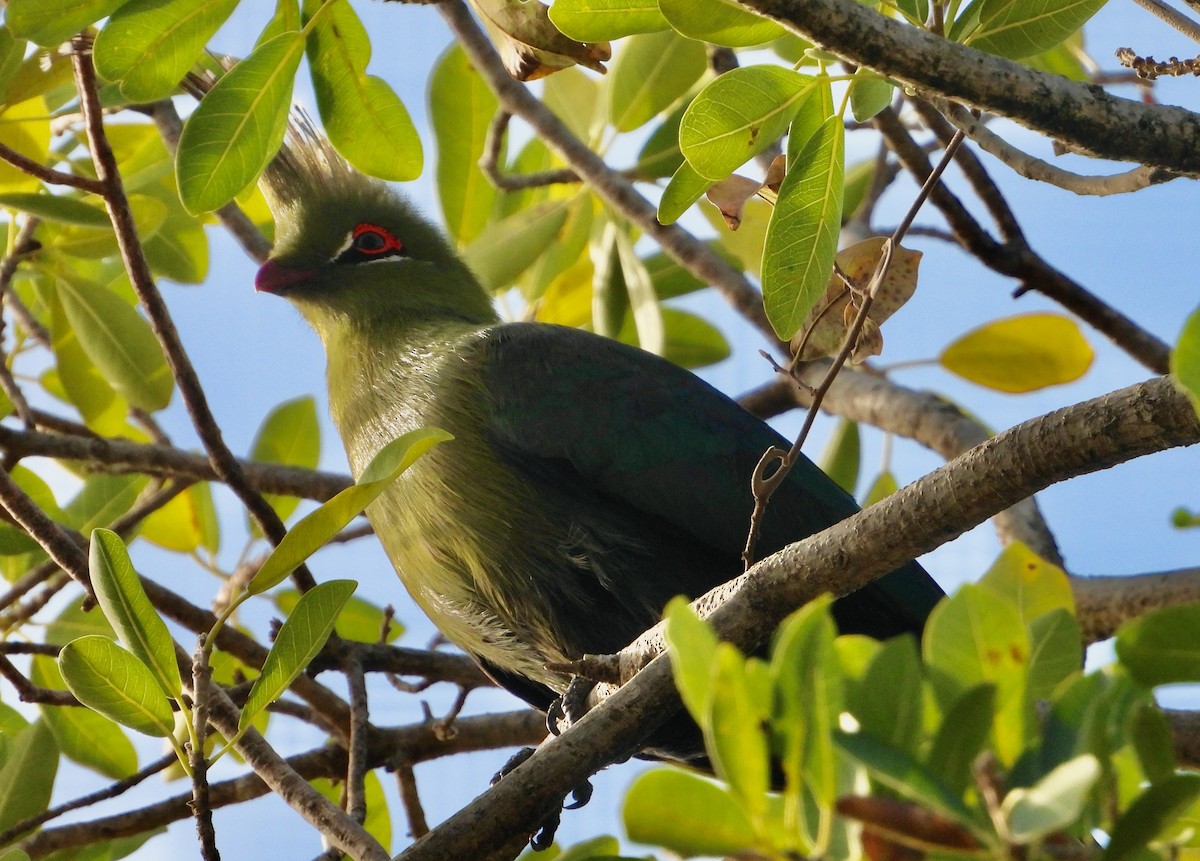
186	523
125	604
650	73
1022	28
684	189
238	126
1152	813
738	115
840	459
85	736
461	107
359	619
25	128
704	818
802	237
693	649
505	249
149	45
105	677
51	22
362	115
721	22
1051	804
1185	358
289	435
298	641
600	20
1020	354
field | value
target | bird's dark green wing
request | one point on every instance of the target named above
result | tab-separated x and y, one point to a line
654	441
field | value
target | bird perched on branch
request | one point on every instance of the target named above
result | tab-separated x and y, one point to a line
588	481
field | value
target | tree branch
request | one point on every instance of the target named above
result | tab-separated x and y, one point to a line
1081	115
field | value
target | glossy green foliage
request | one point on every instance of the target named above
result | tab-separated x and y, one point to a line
238	126
289	435
358	110
114	683
827	712
1185	358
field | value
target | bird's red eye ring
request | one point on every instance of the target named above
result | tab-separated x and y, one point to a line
373	240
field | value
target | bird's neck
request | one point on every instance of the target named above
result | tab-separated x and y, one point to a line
383	383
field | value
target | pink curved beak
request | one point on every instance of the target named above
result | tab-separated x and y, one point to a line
273	278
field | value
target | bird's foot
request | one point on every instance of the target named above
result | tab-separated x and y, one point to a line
543	837
571	706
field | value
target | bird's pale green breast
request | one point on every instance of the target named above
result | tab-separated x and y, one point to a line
462	530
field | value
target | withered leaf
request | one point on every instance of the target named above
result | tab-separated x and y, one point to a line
529	43
830	318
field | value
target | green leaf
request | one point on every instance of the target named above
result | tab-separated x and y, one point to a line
643	301
904	775
1055	652
738	115
12	52
960	738
972	637
602	20
74	622
13	539
721	22
239	125
298	641
1022	28
565	252
686	814
121	596
105	677
1185	358
870	94
684	189
83	735
51	22
461	107
1151	814
1020	354
734	732
27	778
688	341
56	207
1051	804
808	700
317	527
693	648
359	620
650	73
802	236
149	45
660	155
1162	647
362	115
841	456
117	340
1153	741
889	700
378	823
289	435
102	500
505	249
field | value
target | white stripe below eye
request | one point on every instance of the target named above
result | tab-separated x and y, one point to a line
344	247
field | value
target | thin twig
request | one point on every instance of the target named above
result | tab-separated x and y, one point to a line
52	537
22	245
120	787
1173	17
356	760
410	798
489	162
779	462
201	803
28	692
1032	167
47	174
223	461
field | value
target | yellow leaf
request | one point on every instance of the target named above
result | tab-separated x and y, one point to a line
1020	354
24	127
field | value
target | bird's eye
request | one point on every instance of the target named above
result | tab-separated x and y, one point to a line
369	242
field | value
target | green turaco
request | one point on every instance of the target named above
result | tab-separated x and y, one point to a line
588	481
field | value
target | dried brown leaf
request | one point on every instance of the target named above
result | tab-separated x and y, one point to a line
830	318
730	195
529	43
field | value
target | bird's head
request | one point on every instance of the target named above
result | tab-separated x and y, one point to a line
350	251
